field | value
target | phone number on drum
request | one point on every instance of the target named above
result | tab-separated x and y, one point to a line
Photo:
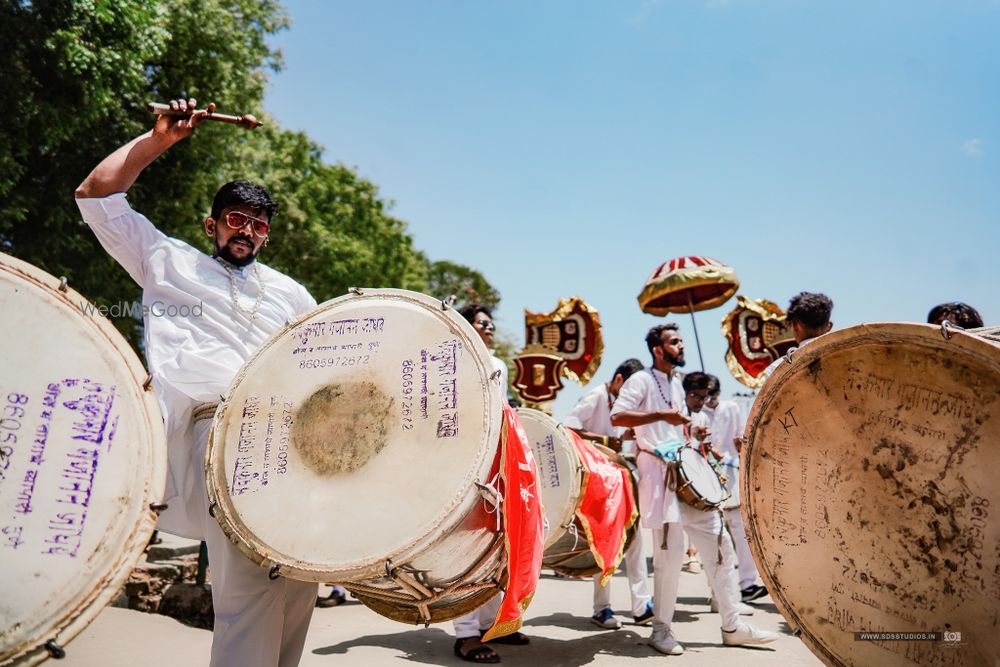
330	362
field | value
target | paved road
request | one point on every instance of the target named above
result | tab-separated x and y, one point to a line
558	622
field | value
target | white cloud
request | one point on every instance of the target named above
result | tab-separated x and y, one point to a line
647	8
973	147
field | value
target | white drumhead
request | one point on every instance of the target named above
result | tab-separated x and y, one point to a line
82	457
703	479
355	435
559	470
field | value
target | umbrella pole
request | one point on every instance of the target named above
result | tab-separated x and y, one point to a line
697	341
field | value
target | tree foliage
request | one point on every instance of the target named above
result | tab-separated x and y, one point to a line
77	76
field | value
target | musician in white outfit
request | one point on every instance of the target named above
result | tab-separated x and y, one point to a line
470	628
206	316
653	403
726	420
591	419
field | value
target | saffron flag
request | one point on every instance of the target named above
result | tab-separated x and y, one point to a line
522	522
607	508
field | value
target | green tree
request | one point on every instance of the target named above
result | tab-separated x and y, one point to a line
77	76
465	284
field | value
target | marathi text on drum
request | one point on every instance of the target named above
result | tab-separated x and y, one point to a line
89	431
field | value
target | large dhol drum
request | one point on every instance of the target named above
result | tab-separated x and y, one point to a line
359	446
561	479
82	463
870	494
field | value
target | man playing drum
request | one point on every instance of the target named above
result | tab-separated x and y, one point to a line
591	419
469	628
193	358
653	403
726	423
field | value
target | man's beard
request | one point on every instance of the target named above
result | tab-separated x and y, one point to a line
225	253
677	361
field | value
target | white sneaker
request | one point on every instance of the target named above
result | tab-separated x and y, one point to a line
745	609
664	642
747	635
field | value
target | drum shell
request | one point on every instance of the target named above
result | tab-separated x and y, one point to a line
868	465
687	492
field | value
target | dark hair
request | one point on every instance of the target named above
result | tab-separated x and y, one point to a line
958	313
697	380
655	335
811	310
714	386
470	311
235	193
627	368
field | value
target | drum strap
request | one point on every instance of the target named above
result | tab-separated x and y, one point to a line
204	411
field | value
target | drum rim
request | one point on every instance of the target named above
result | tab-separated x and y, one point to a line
854	336
576	490
107	584
453	515
689	481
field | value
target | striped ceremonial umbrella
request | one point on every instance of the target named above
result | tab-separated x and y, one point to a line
686	285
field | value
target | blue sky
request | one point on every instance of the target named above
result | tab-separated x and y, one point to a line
568	148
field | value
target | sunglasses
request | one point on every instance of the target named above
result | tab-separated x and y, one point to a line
237	220
485	325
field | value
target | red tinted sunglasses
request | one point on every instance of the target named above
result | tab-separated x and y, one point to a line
237	220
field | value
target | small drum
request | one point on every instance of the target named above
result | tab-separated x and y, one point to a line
360	446
698	483
82	463
562	477
870	494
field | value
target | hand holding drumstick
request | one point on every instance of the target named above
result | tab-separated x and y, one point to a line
191	116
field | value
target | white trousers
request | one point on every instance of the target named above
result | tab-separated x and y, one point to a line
747	568
703	529
478	619
635	570
258	622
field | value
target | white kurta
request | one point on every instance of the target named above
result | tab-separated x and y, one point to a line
651	391
195	341
593	413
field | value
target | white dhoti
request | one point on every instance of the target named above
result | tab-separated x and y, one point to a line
703	529
259	622
479	620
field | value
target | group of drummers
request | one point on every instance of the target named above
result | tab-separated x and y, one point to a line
263	621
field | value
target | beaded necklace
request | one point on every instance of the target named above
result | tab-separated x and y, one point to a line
234	293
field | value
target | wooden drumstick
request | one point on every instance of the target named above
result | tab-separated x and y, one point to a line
246	121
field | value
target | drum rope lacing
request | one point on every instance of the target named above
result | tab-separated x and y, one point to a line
491	494
422	595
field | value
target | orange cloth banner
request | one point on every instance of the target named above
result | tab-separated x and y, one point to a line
522	522
607	507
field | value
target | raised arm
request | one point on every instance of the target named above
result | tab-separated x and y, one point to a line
118	171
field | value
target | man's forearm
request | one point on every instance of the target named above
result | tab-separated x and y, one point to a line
606	440
633	418
118	171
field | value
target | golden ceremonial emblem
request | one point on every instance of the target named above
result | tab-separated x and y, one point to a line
758	334
570	334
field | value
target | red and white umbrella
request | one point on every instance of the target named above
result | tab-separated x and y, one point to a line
686	285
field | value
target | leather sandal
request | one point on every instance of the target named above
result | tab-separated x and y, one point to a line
482	654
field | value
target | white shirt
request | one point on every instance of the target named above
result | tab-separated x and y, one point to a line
726	422
593	413
651	391
192	358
